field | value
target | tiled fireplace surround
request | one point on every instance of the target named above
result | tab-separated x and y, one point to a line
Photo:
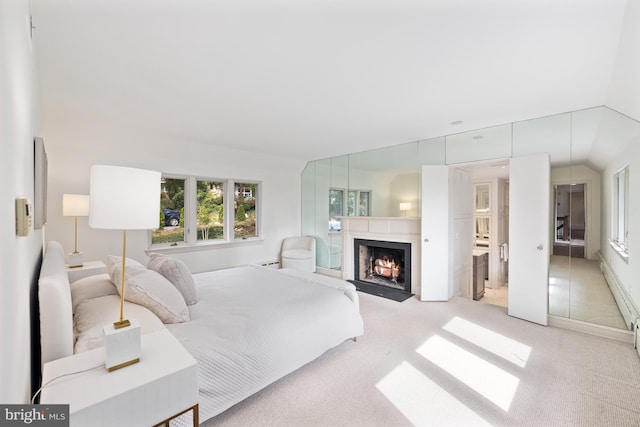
387	229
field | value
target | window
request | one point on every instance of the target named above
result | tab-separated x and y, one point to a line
195	211
620	217
245	210
171	223
352	196
336	202
210	210
357	203
363	206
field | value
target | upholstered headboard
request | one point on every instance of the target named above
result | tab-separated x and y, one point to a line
54	296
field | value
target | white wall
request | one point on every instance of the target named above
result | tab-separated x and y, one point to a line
19	256
73	150
627	273
404	188
624	96
624	90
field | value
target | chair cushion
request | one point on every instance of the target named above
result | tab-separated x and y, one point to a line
297	254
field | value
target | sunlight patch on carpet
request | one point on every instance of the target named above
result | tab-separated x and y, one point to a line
493	383
510	350
424	402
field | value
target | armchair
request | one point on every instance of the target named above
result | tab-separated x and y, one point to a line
299	253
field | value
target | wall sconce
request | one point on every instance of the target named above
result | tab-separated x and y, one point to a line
125	199
404	207
75	205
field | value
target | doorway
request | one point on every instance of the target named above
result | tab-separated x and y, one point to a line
491	232
570	220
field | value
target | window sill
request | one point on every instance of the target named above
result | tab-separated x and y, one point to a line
182	248
622	253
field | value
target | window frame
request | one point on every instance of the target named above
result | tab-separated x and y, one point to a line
359	199
193	199
345	203
620	212
191	242
257	197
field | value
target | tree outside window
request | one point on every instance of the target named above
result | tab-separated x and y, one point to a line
336	200
196	211
245	195
363	203
357	203
171	213
210	210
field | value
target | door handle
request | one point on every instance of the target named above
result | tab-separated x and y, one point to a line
426	240
539	247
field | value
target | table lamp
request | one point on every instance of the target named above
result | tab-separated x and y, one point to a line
125	199
75	205
404	207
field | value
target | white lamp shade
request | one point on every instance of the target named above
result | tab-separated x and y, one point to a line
124	198
75	205
405	206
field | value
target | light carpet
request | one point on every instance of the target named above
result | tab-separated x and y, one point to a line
456	363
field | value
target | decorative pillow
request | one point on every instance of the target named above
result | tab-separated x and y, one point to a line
91	315
117	261
149	289
91	287
177	273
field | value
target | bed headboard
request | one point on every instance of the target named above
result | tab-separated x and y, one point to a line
54	296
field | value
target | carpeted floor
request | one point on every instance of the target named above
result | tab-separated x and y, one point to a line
459	363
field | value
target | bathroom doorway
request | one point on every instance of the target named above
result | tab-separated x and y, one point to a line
570	220
490	282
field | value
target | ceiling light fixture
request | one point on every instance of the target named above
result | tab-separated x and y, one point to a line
457	122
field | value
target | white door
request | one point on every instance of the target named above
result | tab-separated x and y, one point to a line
529	198
462	238
436	272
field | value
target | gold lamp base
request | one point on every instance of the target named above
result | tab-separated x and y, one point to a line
75	259
123	365
121	324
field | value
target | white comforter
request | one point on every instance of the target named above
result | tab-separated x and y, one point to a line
254	325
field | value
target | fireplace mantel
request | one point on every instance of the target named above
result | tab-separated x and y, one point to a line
394	229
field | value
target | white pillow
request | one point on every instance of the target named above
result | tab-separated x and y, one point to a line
149	289
91	315
177	273
91	287
118	260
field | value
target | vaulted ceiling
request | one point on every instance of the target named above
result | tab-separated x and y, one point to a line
310	79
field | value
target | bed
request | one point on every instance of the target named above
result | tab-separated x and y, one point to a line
249	327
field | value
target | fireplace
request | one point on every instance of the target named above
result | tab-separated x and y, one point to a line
382	265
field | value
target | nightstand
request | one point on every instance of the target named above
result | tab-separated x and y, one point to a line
162	386
88	268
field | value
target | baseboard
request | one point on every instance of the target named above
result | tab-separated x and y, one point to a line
329	272
592	329
628	310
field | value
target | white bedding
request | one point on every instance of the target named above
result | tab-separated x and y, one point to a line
253	325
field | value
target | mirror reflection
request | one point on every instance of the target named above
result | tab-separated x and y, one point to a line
482	232
592	153
482	198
